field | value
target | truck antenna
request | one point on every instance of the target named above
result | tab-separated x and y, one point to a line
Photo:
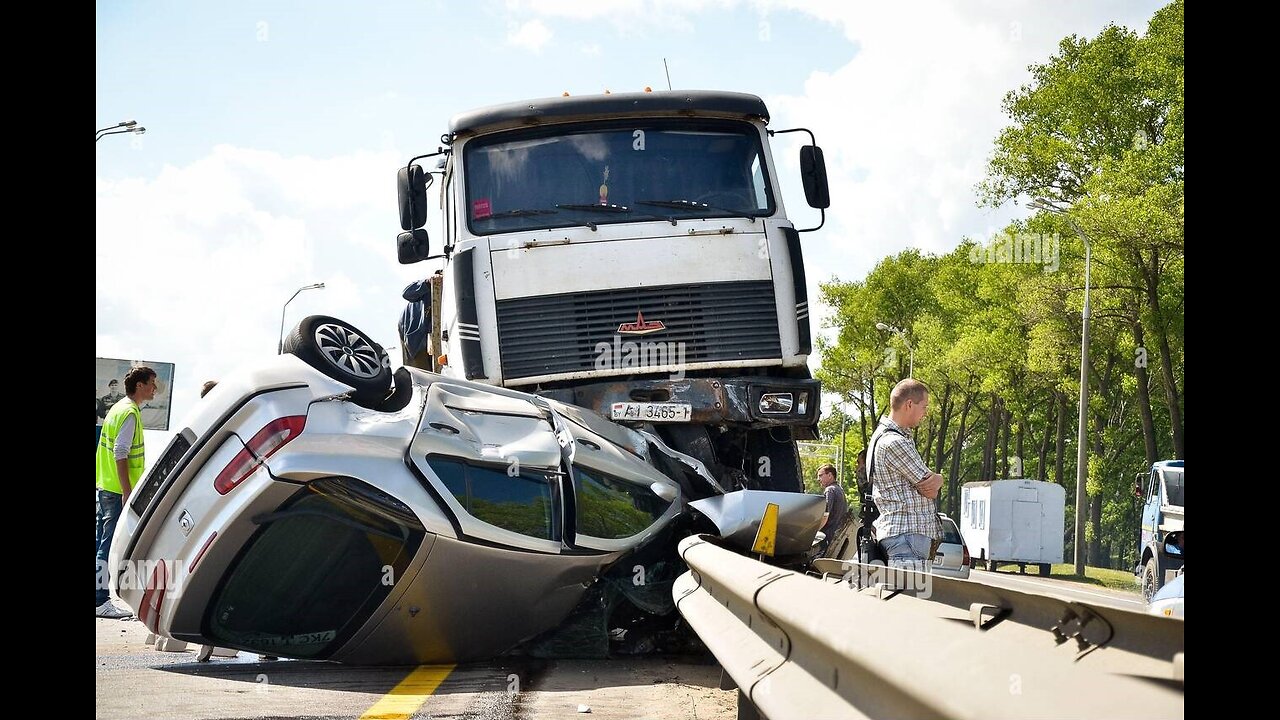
668	71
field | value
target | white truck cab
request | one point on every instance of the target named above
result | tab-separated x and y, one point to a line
628	253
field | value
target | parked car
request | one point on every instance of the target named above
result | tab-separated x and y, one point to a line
1168	600
316	506
952	556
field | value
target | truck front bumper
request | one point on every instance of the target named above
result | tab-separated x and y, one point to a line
752	402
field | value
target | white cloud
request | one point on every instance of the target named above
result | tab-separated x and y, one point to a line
531	35
194	266
908	123
627	17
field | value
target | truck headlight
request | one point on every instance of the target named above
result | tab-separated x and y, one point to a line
777	403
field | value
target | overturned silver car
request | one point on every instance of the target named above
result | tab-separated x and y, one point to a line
318	506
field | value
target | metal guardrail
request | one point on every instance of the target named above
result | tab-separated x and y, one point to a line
799	647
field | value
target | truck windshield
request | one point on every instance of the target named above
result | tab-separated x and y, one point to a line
597	173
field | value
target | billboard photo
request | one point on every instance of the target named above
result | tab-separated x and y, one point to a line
110	389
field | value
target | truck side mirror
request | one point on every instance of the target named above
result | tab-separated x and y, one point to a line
412	246
1137	484
411	190
813	174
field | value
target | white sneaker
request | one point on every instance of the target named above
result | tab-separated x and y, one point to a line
108	610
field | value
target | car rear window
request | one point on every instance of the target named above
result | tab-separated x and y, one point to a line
315	570
611	508
950	534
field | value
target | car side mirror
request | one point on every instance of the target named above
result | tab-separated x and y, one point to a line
412	246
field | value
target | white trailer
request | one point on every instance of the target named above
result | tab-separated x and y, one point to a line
1013	521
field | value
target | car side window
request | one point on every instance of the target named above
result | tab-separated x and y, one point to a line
522	503
611	508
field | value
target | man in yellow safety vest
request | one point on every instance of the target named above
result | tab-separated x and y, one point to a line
120	463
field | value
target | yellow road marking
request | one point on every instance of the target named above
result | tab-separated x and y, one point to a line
405	699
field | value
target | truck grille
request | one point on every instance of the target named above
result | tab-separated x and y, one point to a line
720	322
151	484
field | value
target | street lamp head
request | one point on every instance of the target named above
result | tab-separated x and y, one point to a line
1042	204
317	285
139	131
881	326
128	123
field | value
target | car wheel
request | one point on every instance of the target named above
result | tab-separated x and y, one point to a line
1150	579
344	353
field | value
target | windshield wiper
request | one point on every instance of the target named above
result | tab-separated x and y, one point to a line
592	207
518	213
695	206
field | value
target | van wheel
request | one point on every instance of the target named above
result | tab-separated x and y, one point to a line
344	353
1151	580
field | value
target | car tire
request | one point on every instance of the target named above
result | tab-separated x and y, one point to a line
1151	580
344	353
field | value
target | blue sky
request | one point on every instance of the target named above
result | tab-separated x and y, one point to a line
274	131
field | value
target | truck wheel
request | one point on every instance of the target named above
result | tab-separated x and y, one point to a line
771	464
343	353
1044	569
1151	580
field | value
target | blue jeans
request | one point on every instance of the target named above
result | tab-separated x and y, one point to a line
908	549
109	507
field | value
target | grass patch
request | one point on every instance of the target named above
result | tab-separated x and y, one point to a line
1106	577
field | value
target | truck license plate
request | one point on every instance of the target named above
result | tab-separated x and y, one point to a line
651	412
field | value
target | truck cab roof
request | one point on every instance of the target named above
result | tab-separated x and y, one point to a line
699	103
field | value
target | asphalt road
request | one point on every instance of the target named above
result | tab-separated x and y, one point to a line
1070	589
134	680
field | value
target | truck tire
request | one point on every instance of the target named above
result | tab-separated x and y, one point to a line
771	464
1151	580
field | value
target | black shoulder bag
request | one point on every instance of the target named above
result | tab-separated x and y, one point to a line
869	548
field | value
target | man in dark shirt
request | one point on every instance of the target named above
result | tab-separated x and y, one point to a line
837	505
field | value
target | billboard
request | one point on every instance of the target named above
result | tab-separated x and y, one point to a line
111	372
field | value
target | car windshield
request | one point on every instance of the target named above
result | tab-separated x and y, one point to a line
599	173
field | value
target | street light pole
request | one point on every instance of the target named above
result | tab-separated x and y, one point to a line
911	352
128	126
280	344
1082	451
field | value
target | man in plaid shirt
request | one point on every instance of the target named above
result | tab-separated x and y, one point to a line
902	487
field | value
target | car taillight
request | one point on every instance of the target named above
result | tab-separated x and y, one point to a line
153	597
966	553
268	440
